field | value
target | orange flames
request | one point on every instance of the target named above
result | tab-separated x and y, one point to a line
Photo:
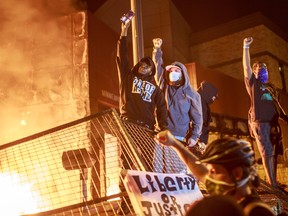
17	198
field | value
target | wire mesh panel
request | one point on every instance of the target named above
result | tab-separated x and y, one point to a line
156	158
75	169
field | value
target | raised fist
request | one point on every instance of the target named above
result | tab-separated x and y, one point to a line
247	41
165	138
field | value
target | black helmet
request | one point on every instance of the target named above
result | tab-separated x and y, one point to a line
229	152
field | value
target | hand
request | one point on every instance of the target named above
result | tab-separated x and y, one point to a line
126	26
131	185
157	42
165	138
247	41
191	142
202	146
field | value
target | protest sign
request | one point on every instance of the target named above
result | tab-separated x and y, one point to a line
161	194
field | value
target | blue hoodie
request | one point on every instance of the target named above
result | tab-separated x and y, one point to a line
183	103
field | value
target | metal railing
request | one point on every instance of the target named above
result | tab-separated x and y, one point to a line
75	169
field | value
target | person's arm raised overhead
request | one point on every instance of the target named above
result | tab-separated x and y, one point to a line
158	60
124	28
122	58
246	57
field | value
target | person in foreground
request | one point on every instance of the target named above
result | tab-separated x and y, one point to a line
227	167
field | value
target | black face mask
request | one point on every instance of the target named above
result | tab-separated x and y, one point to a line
217	187
144	70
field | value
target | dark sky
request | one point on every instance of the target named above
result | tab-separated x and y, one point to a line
202	14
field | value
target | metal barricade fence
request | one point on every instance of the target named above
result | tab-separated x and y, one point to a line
75	168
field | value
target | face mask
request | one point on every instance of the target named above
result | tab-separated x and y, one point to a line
263	75
217	187
144	69
174	76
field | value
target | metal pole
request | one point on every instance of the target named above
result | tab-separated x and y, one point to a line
137	35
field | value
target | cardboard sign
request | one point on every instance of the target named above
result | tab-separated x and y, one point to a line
161	194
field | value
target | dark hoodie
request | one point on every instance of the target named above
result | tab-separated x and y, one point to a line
183	103
207	92
139	95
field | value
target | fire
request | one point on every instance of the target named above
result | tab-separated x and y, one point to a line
17	198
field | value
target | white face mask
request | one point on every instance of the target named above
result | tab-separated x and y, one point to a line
174	76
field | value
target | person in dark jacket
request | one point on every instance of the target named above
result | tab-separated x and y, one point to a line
140	97
208	93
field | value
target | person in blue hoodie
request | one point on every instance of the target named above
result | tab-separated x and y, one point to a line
183	104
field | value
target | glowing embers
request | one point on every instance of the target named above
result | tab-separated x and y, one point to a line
16	197
24	118
79	24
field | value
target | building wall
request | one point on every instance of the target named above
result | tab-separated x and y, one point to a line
233	99
161	19
224	54
103	76
44	74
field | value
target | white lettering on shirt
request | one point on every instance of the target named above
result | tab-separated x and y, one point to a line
144	88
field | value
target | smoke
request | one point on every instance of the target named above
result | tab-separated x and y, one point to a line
35	57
